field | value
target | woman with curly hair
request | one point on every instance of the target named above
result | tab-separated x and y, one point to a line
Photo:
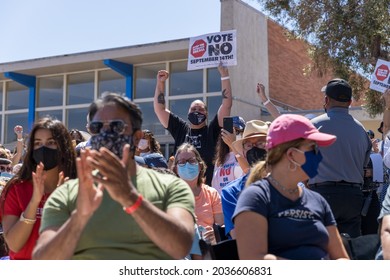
148	144
49	159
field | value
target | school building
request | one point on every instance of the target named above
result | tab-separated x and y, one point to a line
64	86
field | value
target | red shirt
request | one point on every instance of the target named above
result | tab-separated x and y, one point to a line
17	199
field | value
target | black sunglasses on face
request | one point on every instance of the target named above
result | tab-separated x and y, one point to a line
5	169
117	126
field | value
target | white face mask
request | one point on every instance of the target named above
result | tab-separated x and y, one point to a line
143	144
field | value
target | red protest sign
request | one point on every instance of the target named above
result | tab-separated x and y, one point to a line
198	48
382	72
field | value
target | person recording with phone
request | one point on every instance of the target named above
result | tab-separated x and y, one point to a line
116	209
226	166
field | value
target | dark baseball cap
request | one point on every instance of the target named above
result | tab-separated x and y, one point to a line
339	90
152	160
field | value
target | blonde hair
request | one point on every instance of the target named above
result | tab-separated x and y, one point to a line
258	172
275	154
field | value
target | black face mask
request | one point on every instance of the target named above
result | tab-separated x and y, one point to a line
112	141
48	156
255	154
196	118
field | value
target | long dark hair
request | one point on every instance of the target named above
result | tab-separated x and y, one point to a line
221	151
154	145
66	154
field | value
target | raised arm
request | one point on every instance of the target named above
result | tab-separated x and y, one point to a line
19	145
227	100
260	89
159	98
229	138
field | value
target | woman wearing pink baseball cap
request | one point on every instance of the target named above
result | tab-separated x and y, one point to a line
277	218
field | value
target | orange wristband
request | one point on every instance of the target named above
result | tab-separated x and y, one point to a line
131	209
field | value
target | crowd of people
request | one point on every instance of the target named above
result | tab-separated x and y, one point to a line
292	188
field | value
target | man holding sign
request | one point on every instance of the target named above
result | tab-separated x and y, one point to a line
197	132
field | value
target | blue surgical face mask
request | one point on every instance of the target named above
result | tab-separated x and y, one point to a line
189	171
313	159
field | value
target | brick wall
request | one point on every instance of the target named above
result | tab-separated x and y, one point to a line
287	84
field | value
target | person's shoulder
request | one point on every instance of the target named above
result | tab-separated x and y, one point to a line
20	185
162	175
68	187
236	184
261	186
209	189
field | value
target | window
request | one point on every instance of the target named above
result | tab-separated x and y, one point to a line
213	80
150	120
180	107
55	114
50	91
183	81
80	88
17	96
145	80
111	81
213	104
12	120
77	118
1	96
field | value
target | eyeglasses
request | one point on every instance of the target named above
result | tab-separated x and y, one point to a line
182	162
5	168
259	144
117	126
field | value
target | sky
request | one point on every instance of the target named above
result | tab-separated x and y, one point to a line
41	28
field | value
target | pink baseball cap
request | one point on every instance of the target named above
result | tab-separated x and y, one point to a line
290	127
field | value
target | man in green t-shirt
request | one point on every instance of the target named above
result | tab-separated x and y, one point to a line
116	209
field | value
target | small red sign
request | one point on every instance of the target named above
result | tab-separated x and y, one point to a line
382	72
198	48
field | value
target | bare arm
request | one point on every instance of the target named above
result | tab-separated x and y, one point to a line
251	231
260	89
19	145
336	248
385	237
227	100
16	232
159	98
229	138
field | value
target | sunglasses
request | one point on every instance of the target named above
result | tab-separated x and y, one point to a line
116	126
5	169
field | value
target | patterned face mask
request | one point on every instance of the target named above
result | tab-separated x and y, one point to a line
112	141
196	118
